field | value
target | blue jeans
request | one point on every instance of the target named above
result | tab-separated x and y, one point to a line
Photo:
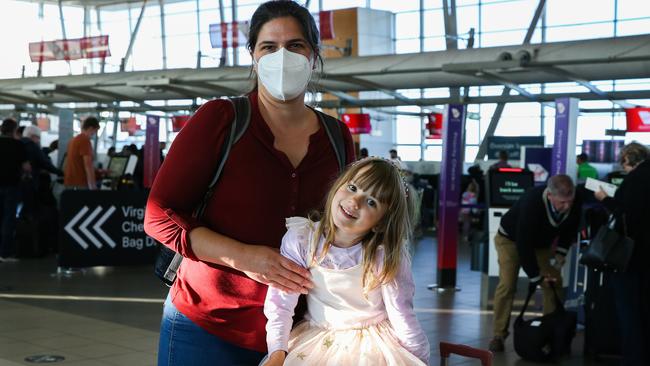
183	343
8	203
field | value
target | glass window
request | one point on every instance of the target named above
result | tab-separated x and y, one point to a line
470	153
433	153
408	153
576	32
185	51
518	13
434	23
407	25
633	27
394	6
343	4
633	9
471	132
435	44
408	129
503	38
407	45
592	126
560	12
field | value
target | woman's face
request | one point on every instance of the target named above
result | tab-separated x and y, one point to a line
281	32
626	165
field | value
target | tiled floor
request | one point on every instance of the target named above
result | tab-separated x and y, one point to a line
110	316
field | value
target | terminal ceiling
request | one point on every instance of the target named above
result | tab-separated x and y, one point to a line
576	61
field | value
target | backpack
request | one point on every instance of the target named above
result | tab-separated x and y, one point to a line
168	261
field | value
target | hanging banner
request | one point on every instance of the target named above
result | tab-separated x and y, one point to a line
326	25
151	150
43	123
638	119
69	49
224	35
434	126
178	122
129	125
357	122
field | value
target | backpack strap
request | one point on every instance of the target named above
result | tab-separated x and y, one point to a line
333	128
238	126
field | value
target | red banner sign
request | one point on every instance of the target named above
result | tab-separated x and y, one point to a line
224	35
434	126
326	25
638	119
357	122
69	49
178	122
129	125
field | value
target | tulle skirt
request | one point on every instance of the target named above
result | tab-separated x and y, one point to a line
375	345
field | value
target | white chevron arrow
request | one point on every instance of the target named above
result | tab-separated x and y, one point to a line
72	222
101	232
87	221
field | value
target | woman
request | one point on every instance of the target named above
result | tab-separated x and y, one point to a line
281	167
632	287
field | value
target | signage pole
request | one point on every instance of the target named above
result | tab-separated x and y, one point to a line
453	148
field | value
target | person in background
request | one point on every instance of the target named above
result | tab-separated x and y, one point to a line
585	170
503	161
214	312
79	170
632	287
363	153
13	165
360	311
37	158
469	197
397	160
525	238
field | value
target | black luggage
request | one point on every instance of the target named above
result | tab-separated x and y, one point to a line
602	333
545	338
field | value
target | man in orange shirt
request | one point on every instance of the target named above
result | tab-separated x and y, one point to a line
79	170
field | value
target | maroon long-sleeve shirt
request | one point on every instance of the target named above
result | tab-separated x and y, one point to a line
257	190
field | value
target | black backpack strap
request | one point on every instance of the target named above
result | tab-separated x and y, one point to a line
238	126
334	133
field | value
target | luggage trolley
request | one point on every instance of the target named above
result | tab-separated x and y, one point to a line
446	349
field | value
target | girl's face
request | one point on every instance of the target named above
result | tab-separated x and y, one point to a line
354	212
281	32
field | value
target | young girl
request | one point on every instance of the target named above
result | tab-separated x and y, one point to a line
360	311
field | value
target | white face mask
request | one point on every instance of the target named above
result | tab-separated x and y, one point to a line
284	74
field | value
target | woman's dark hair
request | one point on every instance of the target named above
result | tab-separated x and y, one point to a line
9	126
285	8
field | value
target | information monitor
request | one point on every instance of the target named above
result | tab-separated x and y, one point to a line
506	185
116	166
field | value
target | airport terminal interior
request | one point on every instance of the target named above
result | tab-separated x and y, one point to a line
475	101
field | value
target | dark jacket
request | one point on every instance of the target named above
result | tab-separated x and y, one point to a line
12	157
530	224
632	201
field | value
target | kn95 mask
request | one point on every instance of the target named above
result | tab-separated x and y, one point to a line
284	74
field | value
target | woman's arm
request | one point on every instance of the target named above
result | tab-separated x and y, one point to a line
398	298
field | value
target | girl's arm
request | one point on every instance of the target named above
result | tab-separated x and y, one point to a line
398	298
279	305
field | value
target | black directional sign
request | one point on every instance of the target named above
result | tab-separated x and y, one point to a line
104	228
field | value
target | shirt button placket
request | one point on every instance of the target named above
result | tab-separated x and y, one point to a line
294	193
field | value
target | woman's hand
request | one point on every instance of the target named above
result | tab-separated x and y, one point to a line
266	265
276	358
600	194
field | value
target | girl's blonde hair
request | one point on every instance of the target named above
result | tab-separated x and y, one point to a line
383	180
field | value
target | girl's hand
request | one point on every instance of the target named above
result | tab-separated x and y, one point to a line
276	359
266	265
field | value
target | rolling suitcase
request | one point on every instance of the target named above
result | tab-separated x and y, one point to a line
602	333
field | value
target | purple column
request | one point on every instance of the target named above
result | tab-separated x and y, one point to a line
453	150
151	150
